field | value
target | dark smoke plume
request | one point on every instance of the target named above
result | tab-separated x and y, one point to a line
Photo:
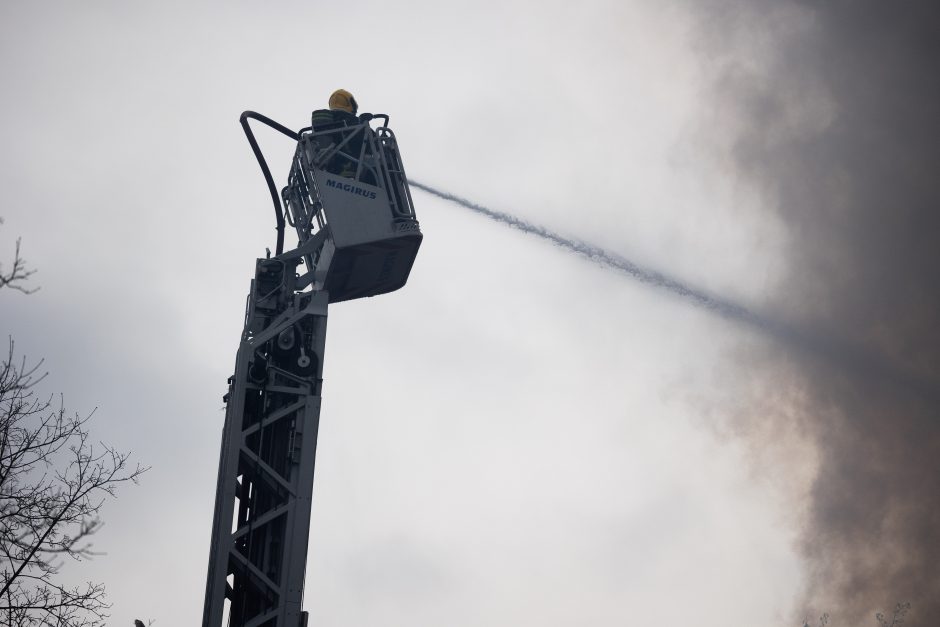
839	124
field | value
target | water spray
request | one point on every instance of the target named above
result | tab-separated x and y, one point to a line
848	356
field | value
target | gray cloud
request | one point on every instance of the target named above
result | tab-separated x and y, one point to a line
835	110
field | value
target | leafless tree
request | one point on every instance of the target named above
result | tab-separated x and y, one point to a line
53	481
16	276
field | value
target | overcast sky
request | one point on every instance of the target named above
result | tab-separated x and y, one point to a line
518	436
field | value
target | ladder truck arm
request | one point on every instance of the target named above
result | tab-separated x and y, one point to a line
348	200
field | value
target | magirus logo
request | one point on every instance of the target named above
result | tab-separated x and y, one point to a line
349	187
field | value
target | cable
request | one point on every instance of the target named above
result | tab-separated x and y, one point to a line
275	198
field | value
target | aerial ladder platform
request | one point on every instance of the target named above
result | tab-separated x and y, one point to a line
347	197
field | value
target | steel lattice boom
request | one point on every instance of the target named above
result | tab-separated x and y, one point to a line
357	236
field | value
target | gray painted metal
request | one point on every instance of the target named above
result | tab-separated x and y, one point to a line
266	468
358	236
349	183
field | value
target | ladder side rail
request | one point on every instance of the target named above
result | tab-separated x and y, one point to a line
270	443
400	196
388	183
302	189
398	170
226	487
372	160
311	199
303	472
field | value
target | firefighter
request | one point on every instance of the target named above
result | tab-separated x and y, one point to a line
342	111
329	123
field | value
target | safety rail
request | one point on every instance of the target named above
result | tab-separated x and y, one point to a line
356	152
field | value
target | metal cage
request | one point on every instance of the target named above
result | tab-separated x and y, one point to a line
348	199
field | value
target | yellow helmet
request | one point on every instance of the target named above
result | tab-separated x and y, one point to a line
344	101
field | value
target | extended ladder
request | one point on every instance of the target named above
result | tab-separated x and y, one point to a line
357	237
266	468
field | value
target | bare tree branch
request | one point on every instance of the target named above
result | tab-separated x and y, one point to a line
18	273
53	483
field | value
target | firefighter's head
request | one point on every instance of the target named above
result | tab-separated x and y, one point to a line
342	100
